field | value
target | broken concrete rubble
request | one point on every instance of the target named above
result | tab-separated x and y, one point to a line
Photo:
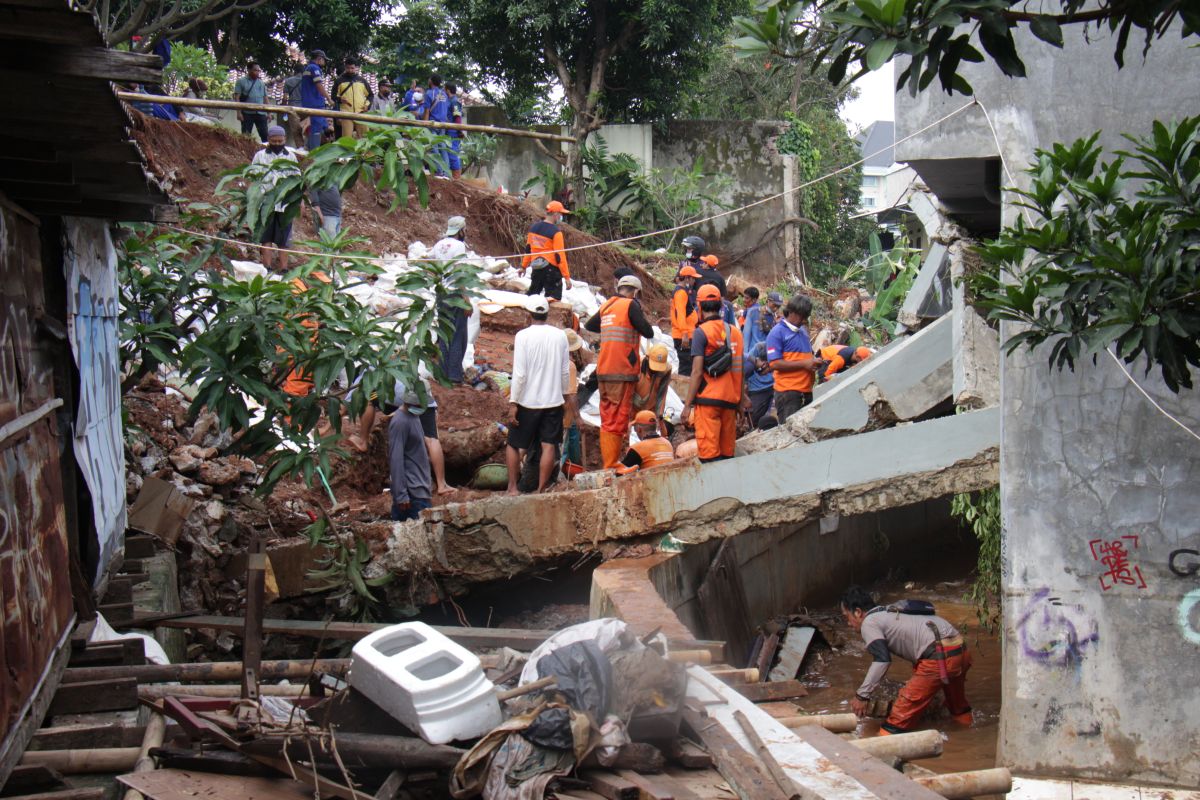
500	537
900	383
929	296
976	345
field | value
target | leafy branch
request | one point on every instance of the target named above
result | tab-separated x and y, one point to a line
1110	256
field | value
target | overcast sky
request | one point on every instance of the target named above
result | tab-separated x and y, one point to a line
876	100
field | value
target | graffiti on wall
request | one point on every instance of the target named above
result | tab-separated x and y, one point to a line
1053	632
1184	562
92	321
1119	567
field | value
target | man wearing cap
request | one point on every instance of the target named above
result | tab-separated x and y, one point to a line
408	459
839	357
547	258
453	245
652	449
707	278
269	165
790	355
684	316
541	377
716	390
313	94
621	323
760	380
385	101
654	379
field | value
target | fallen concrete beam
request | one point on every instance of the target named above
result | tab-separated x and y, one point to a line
976	381
898	384
500	537
930	295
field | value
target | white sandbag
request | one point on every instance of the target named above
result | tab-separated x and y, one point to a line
103	632
417	250
246	270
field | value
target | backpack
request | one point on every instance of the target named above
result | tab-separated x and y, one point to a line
719	361
291	89
922	608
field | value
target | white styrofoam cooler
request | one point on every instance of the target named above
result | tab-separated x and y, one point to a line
434	686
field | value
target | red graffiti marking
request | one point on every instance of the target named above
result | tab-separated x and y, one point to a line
1114	555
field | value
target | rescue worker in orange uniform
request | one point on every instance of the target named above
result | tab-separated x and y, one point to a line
654	380
684	316
621	324
298	383
911	630
839	357
652	449
547	258
717	390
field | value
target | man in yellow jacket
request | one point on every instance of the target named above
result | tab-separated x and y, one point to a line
352	93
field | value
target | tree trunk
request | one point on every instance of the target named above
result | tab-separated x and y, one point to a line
574	166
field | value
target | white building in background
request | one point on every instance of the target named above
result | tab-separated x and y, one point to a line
885	184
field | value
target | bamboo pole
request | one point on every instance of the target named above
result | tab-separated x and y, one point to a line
156	730
734	676
702	657
156	690
838	723
77	762
378	119
904	746
210	671
962	785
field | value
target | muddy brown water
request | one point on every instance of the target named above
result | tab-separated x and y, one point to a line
833	675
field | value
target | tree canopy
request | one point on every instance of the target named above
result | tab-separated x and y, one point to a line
616	60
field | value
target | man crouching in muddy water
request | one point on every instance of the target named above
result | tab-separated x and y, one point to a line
910	630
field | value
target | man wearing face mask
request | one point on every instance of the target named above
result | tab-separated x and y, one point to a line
269	165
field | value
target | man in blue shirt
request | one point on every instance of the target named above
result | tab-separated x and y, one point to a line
760	384
313	94
456	137
414	99
437	108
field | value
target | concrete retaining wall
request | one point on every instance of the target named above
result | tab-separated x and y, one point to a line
788	567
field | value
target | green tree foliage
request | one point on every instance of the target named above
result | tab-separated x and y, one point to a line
1110	255
626	60
339	27
866	34
188	61
140	24
424	39
981	513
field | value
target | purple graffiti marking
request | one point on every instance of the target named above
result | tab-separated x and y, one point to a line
1053	632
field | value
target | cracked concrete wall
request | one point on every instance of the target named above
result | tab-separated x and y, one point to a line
900	383
1099	489
791	566
500	537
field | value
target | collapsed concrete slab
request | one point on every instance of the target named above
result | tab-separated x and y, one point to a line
503	536
930	295
900	383
976	382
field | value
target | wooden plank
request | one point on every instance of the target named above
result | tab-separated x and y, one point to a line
120	590
28	778
610	785
25	171
140	546
880	779
515	638
98	654
73	737
213	671
791	652
748	779
687	755
66	794
49	26
767	692
82	61
79	698
658	787
722	601
781	778
178	784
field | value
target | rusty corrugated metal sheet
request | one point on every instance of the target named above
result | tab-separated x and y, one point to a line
35	587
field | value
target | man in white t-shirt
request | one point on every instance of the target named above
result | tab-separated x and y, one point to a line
269	165
448	248
541	375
